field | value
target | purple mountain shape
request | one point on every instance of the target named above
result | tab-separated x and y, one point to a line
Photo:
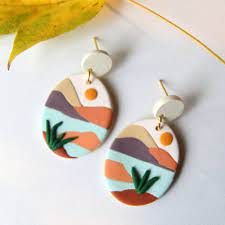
135	148
56	100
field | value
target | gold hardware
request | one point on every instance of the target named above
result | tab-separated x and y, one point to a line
90	72
161	121
163	87
95	40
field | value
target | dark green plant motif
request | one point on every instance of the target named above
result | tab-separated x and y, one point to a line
142	184
54	140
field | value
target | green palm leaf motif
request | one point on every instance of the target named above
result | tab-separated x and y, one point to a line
54	140
136	177
143	184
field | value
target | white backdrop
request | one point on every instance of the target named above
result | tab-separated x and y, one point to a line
38	188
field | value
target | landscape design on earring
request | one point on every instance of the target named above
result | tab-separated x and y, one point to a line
141	163
77	117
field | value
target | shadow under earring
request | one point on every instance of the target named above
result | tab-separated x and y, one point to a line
142	161
78	113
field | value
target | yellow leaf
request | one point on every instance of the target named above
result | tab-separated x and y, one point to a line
30	2
38	20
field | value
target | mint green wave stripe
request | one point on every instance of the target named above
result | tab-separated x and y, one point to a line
115	185
160	187
74	150
71	124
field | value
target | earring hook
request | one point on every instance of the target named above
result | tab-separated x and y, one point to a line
90	73
163	87
161	121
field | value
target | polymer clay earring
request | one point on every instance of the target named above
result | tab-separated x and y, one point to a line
142	161
78	113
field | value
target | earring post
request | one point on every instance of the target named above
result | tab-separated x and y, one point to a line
163	87
96	43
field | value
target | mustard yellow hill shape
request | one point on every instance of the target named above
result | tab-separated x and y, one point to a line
34	21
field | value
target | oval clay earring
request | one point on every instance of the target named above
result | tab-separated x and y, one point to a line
78	113
142	161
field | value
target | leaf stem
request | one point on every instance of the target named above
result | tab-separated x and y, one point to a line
199	42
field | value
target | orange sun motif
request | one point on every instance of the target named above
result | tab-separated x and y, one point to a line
166	138
91	94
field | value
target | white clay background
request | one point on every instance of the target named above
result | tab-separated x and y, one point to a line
38	188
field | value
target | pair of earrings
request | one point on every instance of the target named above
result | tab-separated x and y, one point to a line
142	161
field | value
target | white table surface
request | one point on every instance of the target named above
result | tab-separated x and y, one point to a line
38	188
